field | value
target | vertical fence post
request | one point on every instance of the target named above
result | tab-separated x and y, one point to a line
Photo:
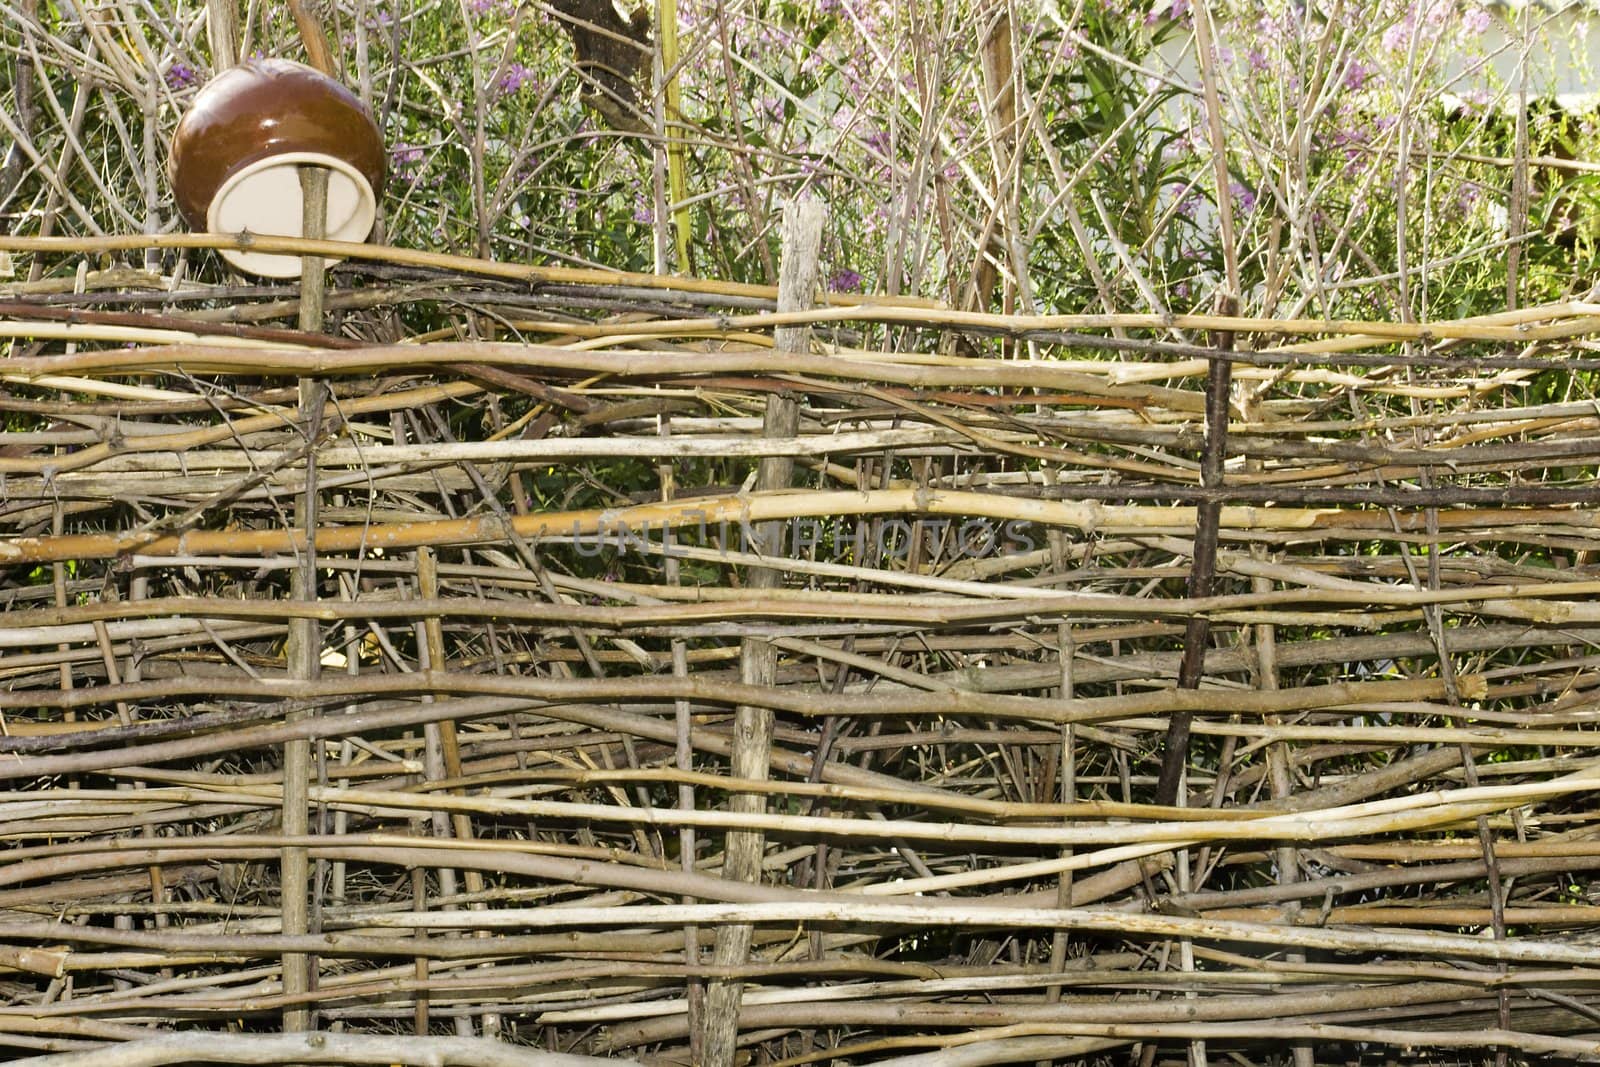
304	646
798	274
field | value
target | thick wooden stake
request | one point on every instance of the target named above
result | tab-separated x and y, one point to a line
1197	634
758	660
304	646
1208	526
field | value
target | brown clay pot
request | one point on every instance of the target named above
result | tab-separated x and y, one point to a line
237	152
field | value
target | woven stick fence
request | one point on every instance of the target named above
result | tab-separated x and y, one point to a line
644	726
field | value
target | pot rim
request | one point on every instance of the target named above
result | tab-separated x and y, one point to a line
276	265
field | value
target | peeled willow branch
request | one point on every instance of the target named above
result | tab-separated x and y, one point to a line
316	1048
890	308
1111	519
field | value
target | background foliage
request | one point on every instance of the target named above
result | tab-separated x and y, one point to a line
1049	157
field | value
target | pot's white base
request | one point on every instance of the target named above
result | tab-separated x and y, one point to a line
265	198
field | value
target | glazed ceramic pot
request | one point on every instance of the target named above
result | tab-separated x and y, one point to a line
237	152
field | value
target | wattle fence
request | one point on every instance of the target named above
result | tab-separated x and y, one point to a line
633	669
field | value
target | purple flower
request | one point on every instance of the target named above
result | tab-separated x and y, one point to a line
1476	21
844	281
1356	75
404	159
181	76
643	212
515	76
1244	197
1176	10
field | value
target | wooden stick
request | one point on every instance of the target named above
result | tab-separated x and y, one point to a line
798	281
222	33
1175	751
318	54
304	648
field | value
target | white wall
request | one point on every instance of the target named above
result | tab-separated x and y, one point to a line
1560	54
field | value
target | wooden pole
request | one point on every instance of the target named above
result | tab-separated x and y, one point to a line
222	30
758	659
318	54
677	166
1208	524
303	650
